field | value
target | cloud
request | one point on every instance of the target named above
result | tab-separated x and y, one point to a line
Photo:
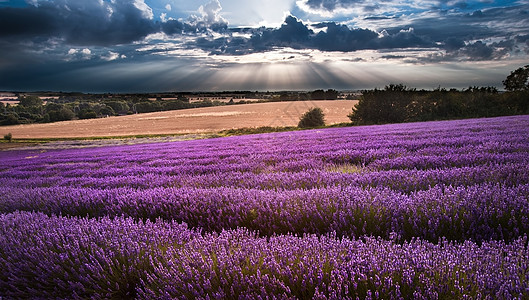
110	56
78	54
209	17
331	8
366	8
478	51
89	22
64	35
331	36
426	45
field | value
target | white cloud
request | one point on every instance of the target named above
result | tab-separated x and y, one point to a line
256	12
146	11
78	54
210	13
168	7
110	56
86	53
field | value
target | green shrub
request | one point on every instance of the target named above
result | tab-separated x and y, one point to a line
8	137
314	117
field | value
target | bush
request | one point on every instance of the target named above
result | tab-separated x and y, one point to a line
63	114
87	114
8	137
10	119
314	117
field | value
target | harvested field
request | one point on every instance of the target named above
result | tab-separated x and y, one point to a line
199	120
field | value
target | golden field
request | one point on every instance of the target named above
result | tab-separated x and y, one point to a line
198	120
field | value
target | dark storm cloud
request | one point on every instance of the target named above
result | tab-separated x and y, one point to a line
494	22
293	33
478	51
453	44
77	22
78	45
25	22
462	40
98	23
341	38
297	35
95	23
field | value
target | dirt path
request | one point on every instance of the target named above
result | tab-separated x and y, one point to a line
199	120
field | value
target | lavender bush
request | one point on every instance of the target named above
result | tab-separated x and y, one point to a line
70	257
418	210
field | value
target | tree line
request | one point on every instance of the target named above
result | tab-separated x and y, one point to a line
397	103
32	109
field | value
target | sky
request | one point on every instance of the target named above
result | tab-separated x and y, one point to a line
258	45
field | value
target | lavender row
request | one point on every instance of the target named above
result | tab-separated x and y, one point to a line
405	181
60	257
124	161
479	212
424	145
292	162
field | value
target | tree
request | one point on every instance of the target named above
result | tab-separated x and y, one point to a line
314	117
28	101
330	94
10	119
119	107
106	111
62	114
383	106
87	114
518	80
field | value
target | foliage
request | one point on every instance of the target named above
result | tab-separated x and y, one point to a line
314	117
382	106
397	104
61	113
87	114
8	137
30	101
119	107
324	95
518	80
9	119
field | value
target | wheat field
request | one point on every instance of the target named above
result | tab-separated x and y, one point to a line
198	120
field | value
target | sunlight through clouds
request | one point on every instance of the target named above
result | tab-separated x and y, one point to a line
273	45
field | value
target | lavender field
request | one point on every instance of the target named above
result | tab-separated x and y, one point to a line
418	210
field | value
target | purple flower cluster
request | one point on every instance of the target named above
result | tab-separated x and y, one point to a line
418	210
478	212
70	257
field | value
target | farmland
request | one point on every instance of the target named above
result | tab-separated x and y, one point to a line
199	120
417	210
